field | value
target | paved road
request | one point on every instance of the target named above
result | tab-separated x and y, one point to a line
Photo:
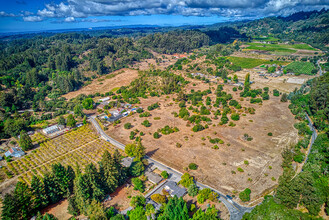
236	210
321	72
314	136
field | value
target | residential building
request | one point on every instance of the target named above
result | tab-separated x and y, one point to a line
172	188
153	177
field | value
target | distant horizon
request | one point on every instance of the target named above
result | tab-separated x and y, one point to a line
21	16
103	27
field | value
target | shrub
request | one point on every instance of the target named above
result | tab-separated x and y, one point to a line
186	180
137	201
224	119
269	134
193	166
145	114
276	92
235	116
240	169
138	184
192	190
127	126
178	145
153	106
246	162
245	195
164	174
146	123
197	128
156	135
158	198
139	110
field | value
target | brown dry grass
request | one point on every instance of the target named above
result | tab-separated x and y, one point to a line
215	166
123	77
278	83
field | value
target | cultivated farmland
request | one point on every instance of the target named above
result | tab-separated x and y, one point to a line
80	146
300	68
249	63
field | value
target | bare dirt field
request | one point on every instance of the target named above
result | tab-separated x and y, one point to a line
119	199
281	83
123	77
216	166
59	210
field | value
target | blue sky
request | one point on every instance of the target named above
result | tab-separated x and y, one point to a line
34	15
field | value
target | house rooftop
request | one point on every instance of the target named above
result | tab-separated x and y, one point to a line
127	161
174	190
153	177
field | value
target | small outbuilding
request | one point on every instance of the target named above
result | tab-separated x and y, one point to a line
15	152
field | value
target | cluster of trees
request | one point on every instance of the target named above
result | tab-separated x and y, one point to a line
291	28
179	41
83	190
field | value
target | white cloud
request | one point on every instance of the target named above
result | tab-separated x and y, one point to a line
69	19
33	18
5	14
70	10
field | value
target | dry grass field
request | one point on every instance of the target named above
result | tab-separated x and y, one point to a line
218	167
122	77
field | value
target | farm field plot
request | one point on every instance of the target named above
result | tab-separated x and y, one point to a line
269	38
80	146
249	63
300	68
279	47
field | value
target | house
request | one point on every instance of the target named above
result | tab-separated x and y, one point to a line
127	161
14	152
104	99
153	177
53	129
174	190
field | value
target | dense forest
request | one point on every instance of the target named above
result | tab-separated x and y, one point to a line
308	188
308	27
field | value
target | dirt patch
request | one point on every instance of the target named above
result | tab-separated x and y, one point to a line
123	77
119	199
285	83
59	210
216	166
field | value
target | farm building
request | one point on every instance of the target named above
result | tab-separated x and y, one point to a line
104	99
53	129
172	188
15	152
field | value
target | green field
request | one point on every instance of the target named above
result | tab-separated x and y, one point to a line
279	47
249	63
266	38
300	68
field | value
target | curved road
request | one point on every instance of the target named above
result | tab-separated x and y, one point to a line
236	210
